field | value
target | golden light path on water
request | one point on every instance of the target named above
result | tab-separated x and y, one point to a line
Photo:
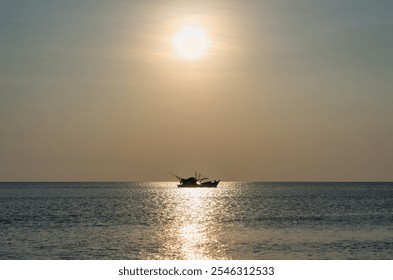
195	231
191	232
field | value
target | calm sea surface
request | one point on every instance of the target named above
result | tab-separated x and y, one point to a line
161	221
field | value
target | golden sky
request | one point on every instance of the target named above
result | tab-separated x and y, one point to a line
284	91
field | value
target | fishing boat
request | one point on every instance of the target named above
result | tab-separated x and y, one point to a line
197	181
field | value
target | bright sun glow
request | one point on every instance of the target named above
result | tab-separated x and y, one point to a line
191	43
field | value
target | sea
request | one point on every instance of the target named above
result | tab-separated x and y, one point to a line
241	221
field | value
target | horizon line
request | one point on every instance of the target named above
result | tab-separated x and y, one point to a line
251	181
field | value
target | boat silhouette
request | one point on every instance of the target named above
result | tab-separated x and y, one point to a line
197	181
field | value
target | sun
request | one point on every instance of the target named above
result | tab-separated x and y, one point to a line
191	42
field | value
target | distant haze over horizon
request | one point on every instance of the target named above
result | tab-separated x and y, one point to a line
270	90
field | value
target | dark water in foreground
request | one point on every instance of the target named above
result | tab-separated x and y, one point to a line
160	221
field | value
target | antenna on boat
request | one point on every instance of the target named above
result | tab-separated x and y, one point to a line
197	175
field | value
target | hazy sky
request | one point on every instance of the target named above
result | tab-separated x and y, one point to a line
288	90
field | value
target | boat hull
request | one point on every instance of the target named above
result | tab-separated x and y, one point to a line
211	184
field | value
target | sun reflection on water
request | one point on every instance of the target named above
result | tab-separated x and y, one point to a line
197	234
192	239
192	232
